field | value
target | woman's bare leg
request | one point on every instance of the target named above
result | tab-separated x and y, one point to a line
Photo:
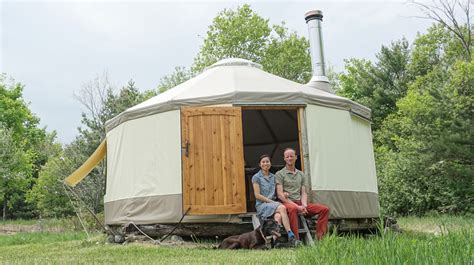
281	210
277	217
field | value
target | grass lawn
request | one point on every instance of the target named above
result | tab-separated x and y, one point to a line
419	244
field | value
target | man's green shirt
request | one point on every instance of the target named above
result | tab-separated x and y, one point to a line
291	182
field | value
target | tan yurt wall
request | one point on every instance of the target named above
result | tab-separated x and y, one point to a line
342	162
144	170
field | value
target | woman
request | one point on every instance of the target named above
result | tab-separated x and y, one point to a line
264	188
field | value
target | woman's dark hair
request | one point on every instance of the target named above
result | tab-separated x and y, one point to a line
262	157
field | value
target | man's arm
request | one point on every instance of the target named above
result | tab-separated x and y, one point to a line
283	198
304	199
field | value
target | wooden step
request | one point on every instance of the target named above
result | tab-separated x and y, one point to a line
308	239
246	218
255	221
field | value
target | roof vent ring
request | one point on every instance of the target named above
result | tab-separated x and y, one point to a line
234	62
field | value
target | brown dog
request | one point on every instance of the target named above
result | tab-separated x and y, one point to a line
256	239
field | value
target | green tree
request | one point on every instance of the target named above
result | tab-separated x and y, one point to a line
287	55
453	16
27	139
422	105
14	168
378	85
234	34
437	48
178	76
426	161
48	194
242	33
424	150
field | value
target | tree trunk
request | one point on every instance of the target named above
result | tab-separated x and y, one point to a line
4	208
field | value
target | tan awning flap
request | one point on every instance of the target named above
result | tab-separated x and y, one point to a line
87	167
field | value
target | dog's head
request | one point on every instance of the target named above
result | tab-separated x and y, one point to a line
270	227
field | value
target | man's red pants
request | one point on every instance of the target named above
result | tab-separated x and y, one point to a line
313	208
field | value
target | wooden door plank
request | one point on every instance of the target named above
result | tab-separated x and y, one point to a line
200	196
208	176
223	152
216	160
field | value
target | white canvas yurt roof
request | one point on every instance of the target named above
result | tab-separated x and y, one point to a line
238	82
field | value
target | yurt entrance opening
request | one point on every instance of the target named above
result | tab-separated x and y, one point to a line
267	130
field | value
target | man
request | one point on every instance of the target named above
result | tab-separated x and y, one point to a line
292	193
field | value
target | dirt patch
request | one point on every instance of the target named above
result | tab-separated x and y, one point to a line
10	229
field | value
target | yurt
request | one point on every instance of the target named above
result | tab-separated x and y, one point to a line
192	150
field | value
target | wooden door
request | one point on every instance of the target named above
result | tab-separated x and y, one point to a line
213	160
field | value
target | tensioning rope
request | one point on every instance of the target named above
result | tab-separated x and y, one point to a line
165	236
76	211
66	188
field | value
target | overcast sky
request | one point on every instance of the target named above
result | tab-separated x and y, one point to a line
54	47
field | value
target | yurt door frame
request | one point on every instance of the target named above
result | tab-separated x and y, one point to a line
284	127
212	160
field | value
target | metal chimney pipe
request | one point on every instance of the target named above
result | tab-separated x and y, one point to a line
313	19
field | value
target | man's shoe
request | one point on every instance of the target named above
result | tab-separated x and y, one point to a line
294	243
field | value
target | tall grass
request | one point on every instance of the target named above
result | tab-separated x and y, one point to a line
408	248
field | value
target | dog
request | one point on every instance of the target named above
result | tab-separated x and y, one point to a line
256	239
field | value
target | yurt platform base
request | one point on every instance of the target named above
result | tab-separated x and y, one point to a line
223	230
157	231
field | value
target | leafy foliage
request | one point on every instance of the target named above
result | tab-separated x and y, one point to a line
48	194
23	149
242	33
234	34
287	55
378	85
424	149
14	169
179	76
426	161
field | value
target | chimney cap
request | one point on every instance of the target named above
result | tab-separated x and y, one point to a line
313	14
